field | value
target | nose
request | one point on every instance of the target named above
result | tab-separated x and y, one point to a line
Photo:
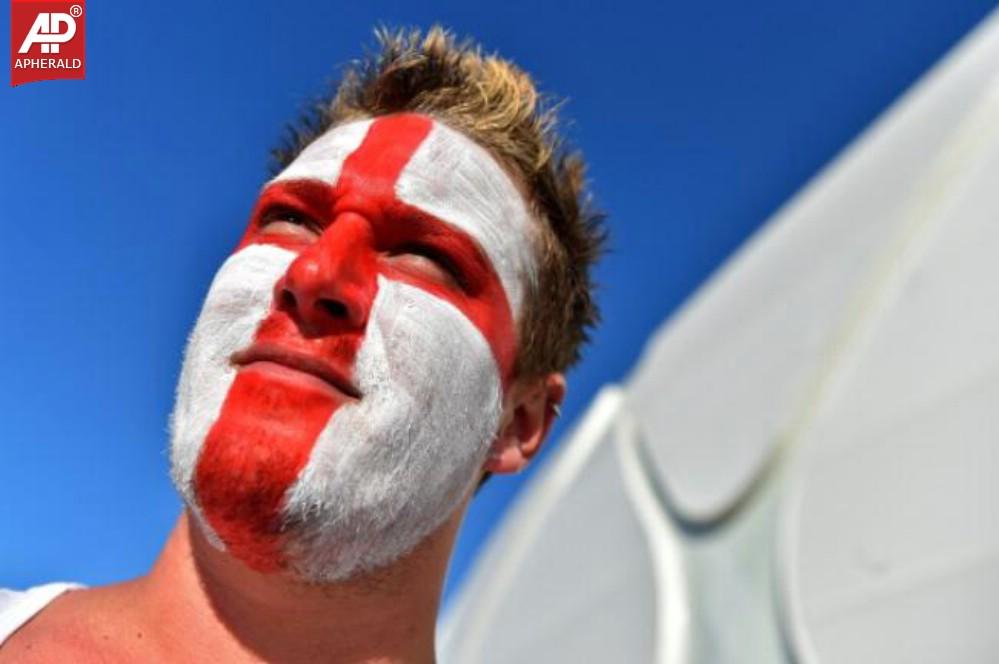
330	286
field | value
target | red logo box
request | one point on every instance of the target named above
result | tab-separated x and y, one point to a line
47	41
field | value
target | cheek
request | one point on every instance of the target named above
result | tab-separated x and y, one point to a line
435	387
488	312
237	302
239	298
426	347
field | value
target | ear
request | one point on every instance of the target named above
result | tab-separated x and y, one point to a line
529	410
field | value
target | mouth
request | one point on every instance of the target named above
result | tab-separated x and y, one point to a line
324	371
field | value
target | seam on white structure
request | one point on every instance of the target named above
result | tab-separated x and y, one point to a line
941	186
524	528
672	631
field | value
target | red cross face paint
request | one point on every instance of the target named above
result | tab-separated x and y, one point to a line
344	380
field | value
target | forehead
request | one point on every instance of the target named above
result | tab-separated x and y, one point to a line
438	170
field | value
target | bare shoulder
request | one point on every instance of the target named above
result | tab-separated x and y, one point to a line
86	625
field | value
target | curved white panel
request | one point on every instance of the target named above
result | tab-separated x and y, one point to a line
569	579
891	537
742	368
861	326
893	546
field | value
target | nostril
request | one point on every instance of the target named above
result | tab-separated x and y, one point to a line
288	301
334	308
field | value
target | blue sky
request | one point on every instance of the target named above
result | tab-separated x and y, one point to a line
121	194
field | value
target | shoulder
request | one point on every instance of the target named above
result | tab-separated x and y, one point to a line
48	624
20	608
87	625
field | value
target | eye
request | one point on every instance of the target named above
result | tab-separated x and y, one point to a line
432	262
287	221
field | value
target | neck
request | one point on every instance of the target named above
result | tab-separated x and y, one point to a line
228	612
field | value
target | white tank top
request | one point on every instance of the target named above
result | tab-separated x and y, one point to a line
18	607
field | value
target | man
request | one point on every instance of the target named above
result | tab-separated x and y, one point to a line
393	327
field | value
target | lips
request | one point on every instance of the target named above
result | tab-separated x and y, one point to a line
323	370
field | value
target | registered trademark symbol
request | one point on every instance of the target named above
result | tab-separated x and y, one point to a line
76	11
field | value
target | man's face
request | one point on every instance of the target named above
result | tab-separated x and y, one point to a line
346	375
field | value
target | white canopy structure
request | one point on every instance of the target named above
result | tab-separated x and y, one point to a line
804	465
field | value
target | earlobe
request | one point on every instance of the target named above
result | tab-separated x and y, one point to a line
528	416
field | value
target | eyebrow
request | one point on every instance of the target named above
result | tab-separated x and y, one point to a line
413	223
315	196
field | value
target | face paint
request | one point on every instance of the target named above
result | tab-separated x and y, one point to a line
345	378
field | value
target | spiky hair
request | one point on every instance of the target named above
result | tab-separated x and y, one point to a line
495	103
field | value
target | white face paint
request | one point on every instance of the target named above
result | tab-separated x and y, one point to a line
387	469
238	300
453	178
